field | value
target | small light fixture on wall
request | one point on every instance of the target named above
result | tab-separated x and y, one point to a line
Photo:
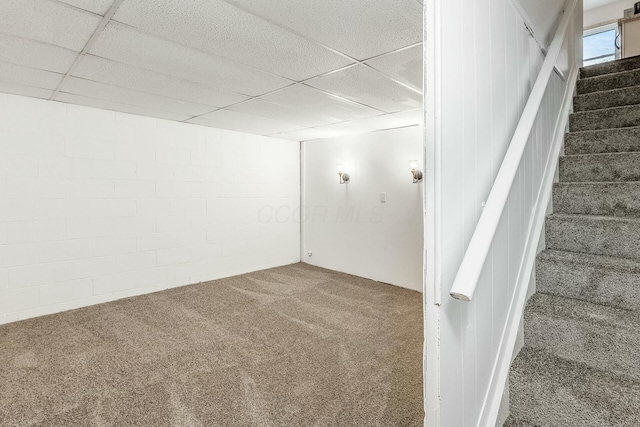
417	174
342	173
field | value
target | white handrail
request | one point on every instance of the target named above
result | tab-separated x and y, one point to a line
475	257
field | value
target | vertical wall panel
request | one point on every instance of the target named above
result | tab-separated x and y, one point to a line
480	85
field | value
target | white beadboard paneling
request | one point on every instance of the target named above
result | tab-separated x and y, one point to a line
18	75
48	21
34	54
219	28
99	7
119	106
94	213
476	94
323	103
130	46
348	26
126	76
232	120
404	66
111	93
367	86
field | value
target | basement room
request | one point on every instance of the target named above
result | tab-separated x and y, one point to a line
211	213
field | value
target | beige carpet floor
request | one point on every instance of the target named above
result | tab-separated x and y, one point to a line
289	346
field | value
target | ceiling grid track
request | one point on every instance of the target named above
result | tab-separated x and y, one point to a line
103	23
181	77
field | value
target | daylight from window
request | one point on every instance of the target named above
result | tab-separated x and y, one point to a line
600	47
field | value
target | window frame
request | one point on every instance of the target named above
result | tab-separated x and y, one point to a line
603	29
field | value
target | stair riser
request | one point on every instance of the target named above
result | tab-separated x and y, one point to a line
609	82
614	287
550	392
610	67
616	167
603	141
592	344
608	199
609	99
619	117
618	238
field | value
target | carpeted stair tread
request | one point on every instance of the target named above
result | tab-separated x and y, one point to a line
612	67
605	118
603	141
603	167
598	235
599	279
607	99
609	81
514	422
593	334
597	198
580	365
549	391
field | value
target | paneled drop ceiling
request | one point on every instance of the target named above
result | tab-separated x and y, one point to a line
298	70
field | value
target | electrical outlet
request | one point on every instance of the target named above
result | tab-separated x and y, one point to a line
309	254
383	197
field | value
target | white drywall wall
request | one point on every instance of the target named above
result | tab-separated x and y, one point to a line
606	14
542	15
346	227
97	205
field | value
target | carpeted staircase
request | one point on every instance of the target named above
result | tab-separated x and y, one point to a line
581	362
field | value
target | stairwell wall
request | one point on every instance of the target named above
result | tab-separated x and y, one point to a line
480	67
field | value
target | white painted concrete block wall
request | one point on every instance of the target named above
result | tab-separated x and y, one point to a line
98	205
346	227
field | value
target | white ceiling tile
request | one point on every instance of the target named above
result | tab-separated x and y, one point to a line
127	45
33	54
25	90
411	117
361	29
368	86
345	128
48	21
127	76
391	121
404	66
302	135
11	73
95	6
219	28
116	106
91	89
321	103
305	118
232	120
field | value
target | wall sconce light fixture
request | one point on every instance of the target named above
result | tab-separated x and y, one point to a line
344	176
417	174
